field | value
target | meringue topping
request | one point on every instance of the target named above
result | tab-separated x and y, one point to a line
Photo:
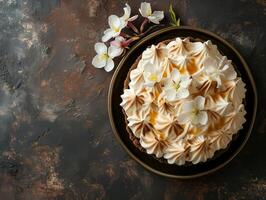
184	101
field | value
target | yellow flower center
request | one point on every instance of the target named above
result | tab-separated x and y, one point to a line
104	56
149	12
153	78
195	112
116	29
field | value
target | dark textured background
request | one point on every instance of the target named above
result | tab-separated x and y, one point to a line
55	137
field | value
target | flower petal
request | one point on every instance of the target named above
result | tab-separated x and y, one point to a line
127	12
199	102
148	84
230	73
115	43
114	51
98	62
145	9
184	118
182	93
100	48
239	92
156	17
108	34
202	117
118	42
114	22
223	61
120	39
188	106
224	67
167	82
133	18
218	80
194	119
210	61
148	67
109	65
170	94
210	65
185	81
175	75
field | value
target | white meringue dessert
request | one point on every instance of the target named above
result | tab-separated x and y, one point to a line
184	101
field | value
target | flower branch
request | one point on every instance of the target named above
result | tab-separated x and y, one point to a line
122	33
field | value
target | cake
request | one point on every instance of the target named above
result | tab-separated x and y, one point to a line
183	101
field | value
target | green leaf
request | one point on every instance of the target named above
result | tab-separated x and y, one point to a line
172	14
178	22
175	22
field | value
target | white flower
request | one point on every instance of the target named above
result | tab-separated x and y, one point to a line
193	112
218	71
146	11
176	86
127	12
116	25
104	57
118	45
152	74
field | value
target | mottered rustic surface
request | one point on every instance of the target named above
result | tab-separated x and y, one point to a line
55	137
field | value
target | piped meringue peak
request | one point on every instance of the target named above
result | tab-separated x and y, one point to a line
184	101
